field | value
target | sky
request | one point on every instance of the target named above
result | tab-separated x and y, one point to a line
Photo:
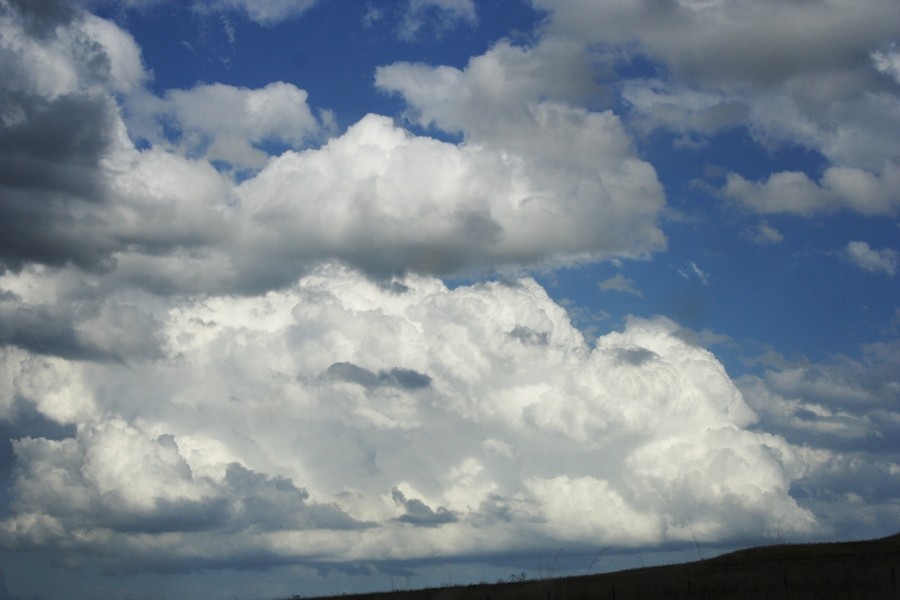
325	296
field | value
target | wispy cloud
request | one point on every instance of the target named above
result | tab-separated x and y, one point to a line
620	283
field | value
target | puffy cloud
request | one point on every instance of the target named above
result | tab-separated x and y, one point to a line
74	188
888	62
515	110
765	44
839	188
862	255
243	119
214	389
377	197
55	129
496	91
400	202
843	413
459	414
794	73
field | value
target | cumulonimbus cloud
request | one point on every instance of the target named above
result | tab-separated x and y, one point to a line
437	412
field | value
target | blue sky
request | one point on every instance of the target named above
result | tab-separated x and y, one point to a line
311	297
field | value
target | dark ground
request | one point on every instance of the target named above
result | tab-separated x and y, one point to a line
866	570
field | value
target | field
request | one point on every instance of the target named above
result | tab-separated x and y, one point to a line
840	571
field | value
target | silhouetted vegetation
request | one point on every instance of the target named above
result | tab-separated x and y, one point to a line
866	570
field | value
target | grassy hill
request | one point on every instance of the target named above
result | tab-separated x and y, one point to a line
866	570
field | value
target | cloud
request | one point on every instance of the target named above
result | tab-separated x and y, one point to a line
691	270
620	283
842	397
74	187
399	202
725	45
243	120
496	91
458	411
420	514
884	261
395	377
792	73
841	411
263	369
888	62
764	235
526	193
438	14
839	188
659	104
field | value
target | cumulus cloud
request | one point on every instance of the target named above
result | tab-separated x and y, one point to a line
243	119
496	91
553	184
443	417
839	188
862	255
75	190
257	369
401	202
56	126
842	411
725	44
793	73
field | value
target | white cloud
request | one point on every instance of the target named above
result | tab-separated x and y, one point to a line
691	271
398	201
472	403
888	62
839	188
242	120
341	415
87	54
728	41
497	91
658	104
793	73
548	184
841	411
862	255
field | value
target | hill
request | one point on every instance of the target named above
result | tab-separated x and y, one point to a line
865	570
